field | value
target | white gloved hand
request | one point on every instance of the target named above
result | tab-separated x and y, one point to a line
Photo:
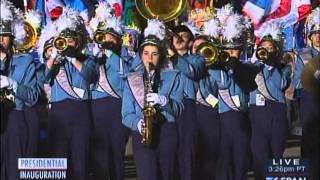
317	74
154	98
54	53
96	51
140	125
6	82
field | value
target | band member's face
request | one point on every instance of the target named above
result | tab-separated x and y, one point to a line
150	54
48	52
71	42
5	41
183	43
315	39
235	53
196	44
111	38
268	46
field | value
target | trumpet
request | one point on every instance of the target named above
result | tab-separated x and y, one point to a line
149	114
212	53
262	54
209	51
99	37
60	43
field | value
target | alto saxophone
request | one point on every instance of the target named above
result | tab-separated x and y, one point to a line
149	113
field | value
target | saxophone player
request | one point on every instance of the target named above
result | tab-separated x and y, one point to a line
18	78
159	159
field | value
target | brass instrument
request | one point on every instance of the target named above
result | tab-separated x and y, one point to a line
262	54
30	40
60	43
209	51
149	114
99	38
166	10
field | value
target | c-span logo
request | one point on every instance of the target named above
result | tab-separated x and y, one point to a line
42	168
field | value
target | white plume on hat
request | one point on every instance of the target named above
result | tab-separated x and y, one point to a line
156	28
105	18
212	28
224	12
48	32
7	10
273	29
314	18
233	27
34	18
69	19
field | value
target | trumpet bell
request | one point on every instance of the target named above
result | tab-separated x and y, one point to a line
30	40
262	54
209	51
60	43
99	38
166	10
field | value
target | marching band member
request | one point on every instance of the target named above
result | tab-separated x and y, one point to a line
18	85
152	100
207	117
69	74
192	68
109	134
267	110
309	104
228	29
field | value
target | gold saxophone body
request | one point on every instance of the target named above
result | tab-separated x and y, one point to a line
149	114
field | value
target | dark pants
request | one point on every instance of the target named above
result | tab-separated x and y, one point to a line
69	132
33	130
269	134
158	162
208	141
310	118
16	143
187	131
109	138
233	155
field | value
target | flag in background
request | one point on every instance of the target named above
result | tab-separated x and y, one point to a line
286	12
257	9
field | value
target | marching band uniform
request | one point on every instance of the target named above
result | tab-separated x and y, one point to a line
158	161
18	77
109	135
192	67
68	91
267	110
207	121
233	98
208	127
309	103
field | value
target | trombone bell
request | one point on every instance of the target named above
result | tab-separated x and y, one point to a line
209	51
99	38
60	43
262	54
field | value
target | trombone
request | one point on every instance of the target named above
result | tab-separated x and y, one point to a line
60	43
212	54
262	54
